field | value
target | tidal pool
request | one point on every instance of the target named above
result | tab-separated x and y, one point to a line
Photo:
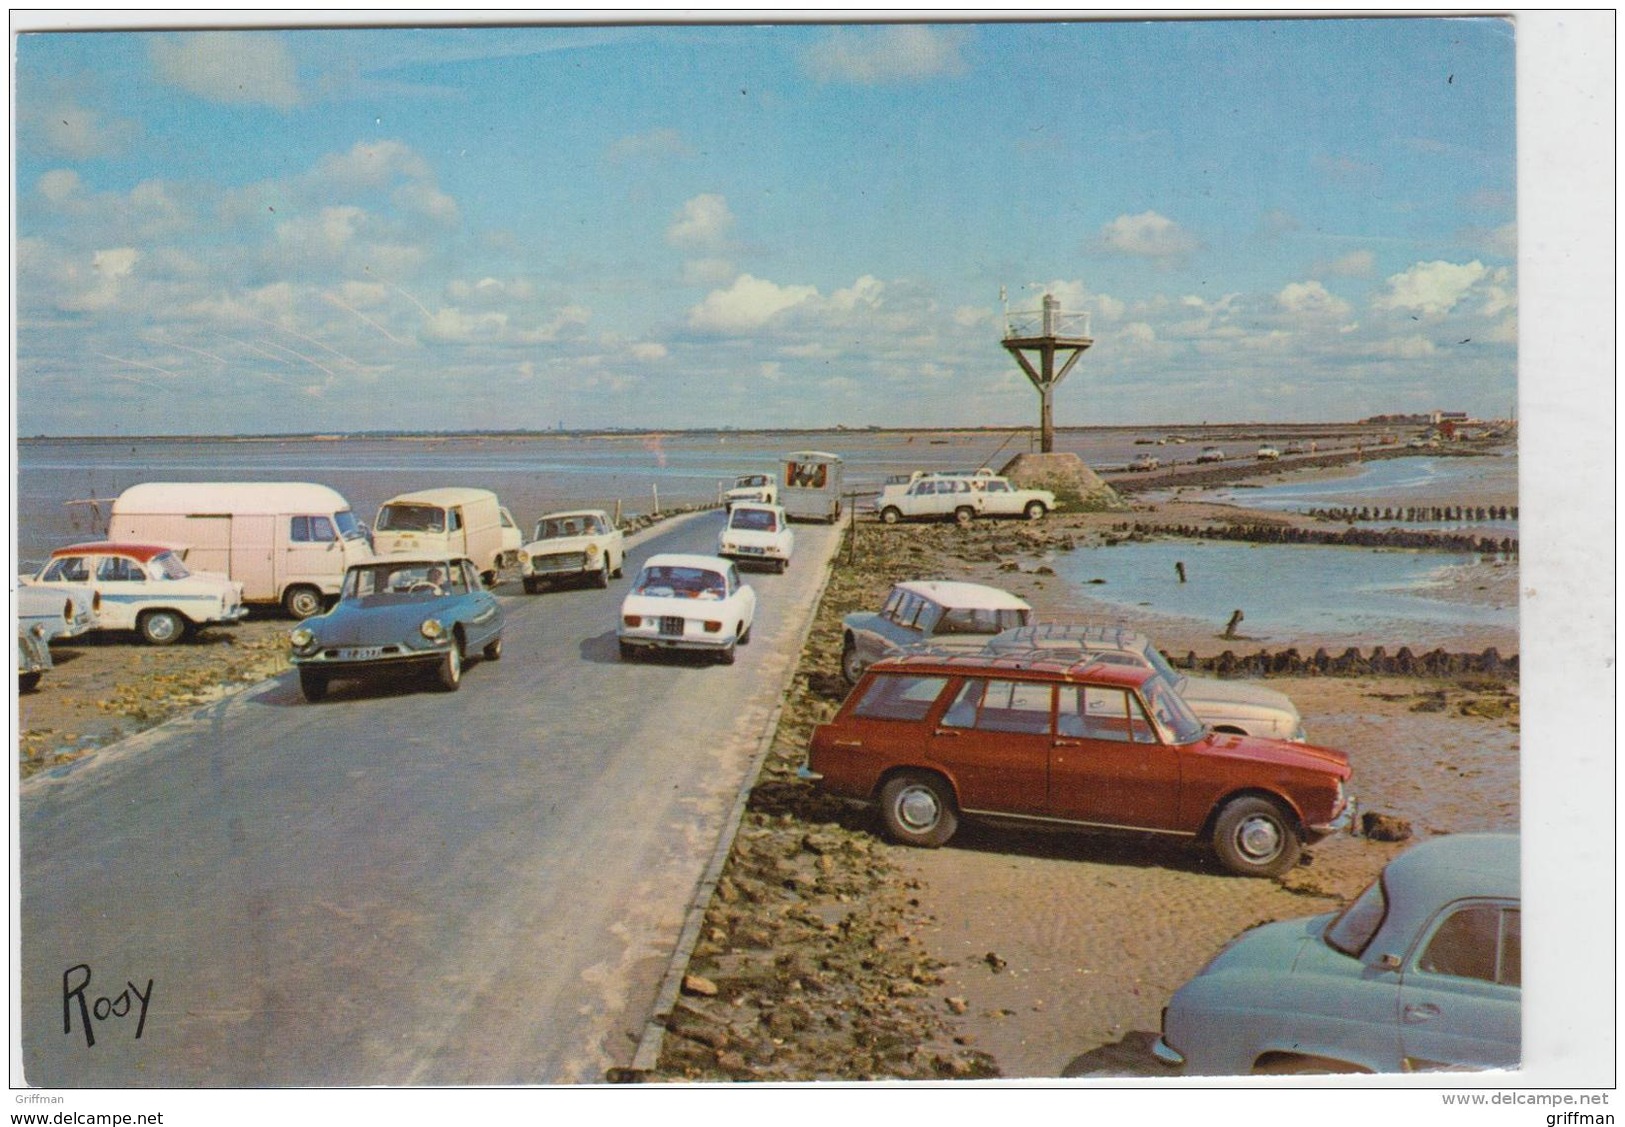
1284	590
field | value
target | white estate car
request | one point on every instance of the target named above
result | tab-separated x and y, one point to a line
686	602
143	587
762	488
757	534
570	545
1236	707
962	498
1000	498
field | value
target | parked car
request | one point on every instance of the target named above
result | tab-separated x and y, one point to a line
33	657
432	612
761	488
1001	498
287	542
687	602
1088	744
143	587
1293	448
569	545
1268	453
757	534
947	613
1233	706
1145	463
1421	972
1210	454
58	612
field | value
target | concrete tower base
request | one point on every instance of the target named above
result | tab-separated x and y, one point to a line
1076	486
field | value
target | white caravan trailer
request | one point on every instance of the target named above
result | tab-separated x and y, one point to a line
454	521
286	542
812	486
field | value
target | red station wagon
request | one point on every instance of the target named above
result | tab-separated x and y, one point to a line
1066	742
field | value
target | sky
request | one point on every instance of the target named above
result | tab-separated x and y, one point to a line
451	228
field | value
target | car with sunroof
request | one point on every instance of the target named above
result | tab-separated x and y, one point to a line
1065	743
1422	972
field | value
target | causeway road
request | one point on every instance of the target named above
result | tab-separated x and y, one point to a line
399	886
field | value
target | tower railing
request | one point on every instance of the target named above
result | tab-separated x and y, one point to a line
1028	324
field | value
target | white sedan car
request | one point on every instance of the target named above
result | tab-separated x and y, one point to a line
572	545
757	534
687	602
145	588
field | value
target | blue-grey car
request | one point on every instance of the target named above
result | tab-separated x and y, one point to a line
1421	972
398	611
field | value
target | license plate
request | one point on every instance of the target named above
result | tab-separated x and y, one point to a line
752	551
670	625
364	653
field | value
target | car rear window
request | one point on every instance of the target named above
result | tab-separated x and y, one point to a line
979	620
899	696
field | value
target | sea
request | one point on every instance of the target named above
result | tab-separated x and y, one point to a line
64	488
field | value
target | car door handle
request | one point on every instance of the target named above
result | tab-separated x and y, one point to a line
948	732
1417	1014
848	743
1068	743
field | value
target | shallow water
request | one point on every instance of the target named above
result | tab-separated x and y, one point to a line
1282	590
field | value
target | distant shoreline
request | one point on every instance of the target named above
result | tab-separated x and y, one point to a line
1148	430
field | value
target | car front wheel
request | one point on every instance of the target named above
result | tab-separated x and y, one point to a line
918	809
493	650
313	684
450	673
1253	838
890	515
161	627
601	577
851	666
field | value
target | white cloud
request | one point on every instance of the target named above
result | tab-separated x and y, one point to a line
1136	333
368	165
59	185
235	67
899	53
1431	288
70	130
703	222
1355	264
649	350
1410	347
1311	299
971	316
324	234
748	304
708	271
865	291
1147	235
655	145
102	285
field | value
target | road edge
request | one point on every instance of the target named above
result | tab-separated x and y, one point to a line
647	1056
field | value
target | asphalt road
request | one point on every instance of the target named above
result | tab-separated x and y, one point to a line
398	886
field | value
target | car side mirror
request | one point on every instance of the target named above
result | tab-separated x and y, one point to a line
1388	962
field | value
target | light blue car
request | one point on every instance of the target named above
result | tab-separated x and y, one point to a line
1420	973
395	612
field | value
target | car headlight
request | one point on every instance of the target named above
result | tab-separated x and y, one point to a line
592	551
303	640
432	629
39	630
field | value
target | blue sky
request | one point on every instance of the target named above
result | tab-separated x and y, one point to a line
450	228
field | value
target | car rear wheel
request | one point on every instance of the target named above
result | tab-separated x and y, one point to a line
964	514
161	627
28	682
1035	510
890	515
726	654
918	809
302	602
450	672
1253	838
532	584
313	684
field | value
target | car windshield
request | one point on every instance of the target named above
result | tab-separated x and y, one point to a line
672	581
1174	717
411	518
1355	926
1168	673
167	565
555	528
754	520
349	527
414	580
979	620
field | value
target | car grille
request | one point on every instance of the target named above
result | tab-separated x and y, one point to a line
562	561
671	624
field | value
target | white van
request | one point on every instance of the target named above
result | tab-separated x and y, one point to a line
812	485
286	542
451	521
